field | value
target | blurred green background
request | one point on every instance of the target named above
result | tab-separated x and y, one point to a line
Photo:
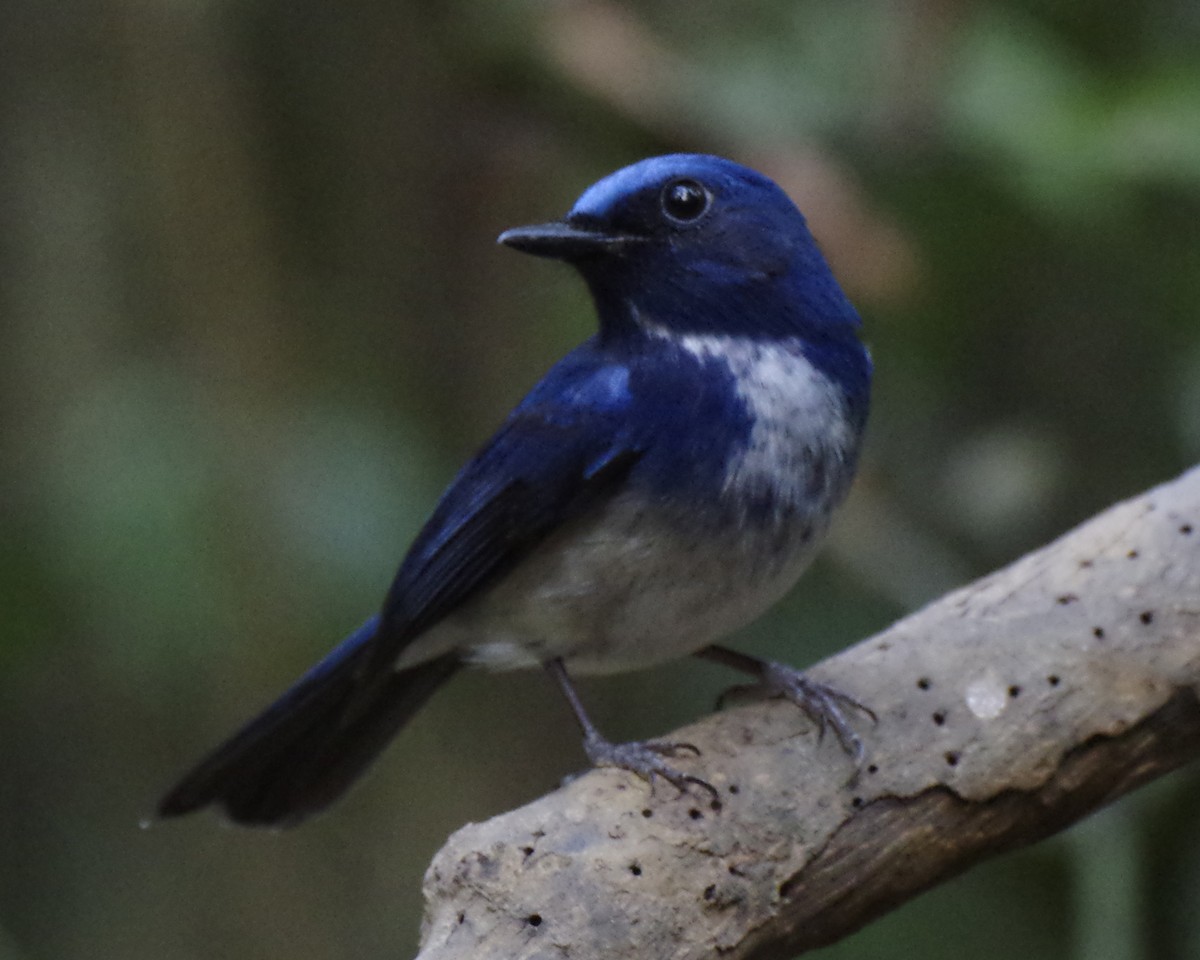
253	318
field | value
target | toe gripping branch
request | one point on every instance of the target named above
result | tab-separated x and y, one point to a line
826	706
648	759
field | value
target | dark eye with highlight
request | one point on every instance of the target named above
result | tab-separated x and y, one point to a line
685	200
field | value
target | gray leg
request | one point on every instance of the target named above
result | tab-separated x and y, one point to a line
646	759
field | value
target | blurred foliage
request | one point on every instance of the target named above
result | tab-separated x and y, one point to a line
253	318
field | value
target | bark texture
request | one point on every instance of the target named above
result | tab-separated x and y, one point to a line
1007	710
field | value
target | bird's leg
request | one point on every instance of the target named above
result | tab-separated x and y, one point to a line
646	759
824	705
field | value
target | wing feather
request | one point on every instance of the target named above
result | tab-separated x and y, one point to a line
539	472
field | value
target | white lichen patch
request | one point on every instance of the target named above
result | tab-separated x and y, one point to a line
987	696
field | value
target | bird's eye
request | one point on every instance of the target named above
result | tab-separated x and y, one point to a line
685	200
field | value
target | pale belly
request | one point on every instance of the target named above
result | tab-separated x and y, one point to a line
622	590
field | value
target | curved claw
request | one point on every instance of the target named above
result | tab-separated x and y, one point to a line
645	760
825	706
687	778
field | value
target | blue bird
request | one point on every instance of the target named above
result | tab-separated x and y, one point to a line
666	482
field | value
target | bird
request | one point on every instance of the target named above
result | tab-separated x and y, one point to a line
665	483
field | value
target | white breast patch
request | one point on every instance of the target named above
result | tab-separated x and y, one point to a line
798	414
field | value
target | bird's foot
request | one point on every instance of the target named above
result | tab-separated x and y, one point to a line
826	706
648	760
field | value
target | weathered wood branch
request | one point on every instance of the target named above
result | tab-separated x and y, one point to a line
1007	710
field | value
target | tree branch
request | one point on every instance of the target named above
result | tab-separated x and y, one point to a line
1007	710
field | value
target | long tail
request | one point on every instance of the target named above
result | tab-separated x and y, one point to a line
307	748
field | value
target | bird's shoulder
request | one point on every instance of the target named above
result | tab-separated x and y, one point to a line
646	389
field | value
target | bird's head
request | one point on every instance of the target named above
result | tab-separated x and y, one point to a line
691	243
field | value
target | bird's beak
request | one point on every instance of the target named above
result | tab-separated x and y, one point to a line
561	240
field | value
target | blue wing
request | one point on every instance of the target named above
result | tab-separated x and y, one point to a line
563	450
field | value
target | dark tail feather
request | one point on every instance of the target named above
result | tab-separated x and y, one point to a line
308	747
